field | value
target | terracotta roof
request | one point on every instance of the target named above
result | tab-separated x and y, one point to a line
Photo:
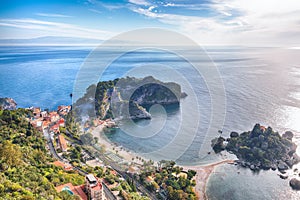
66	167
149	179
61	122
55	128
62	142
80	193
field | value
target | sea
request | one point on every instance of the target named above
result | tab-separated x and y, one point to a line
229	89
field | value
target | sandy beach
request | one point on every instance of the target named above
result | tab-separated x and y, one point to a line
113	148
203	172
202	176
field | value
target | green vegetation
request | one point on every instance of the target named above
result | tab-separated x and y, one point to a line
132	196
26	171
260	148
72	125
87	139
126	188
171	180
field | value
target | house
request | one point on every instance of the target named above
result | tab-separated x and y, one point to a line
65	166
36	112
63	110
94	188
44	114
61	122
54	116
37	123
133	170
62	142
73	190
54	128
149	179
45	124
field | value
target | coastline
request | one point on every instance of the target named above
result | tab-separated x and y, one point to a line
203	174
125	154
203	171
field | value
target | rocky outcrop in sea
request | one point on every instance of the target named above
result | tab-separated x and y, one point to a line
7	104
129	97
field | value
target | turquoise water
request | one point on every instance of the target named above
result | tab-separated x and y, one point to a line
67	188
261	84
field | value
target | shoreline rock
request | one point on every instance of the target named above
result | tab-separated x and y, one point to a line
295	184
8	104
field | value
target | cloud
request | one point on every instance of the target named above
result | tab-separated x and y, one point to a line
108	6
52	15
96	11
139	2
151	8
255	22
55	28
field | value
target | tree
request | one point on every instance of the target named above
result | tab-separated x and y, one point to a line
177	170
10	154
96	139
155	185
87	139
191	173
158	178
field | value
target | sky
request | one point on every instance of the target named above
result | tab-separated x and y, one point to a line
208	22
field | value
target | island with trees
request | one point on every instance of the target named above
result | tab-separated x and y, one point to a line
137	94
261	148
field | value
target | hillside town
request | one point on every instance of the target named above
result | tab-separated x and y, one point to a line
118	166
52	124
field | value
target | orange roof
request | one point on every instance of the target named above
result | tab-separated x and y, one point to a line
62	142
80	193
149	178
45	123
58	164
36	110
66	167
55	128
61	122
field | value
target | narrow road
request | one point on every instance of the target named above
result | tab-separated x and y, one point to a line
51	146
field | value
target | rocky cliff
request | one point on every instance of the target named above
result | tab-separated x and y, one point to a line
261	148
128	97
8	104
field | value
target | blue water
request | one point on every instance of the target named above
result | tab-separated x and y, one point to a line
261	85
39	76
